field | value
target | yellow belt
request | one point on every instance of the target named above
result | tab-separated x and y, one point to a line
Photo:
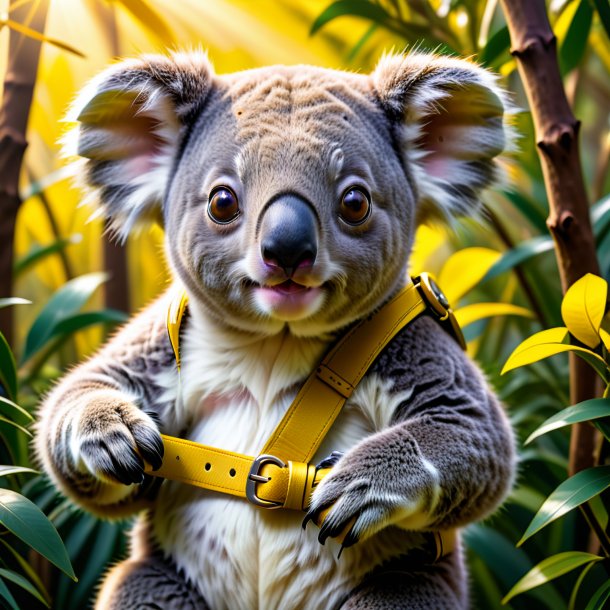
281	475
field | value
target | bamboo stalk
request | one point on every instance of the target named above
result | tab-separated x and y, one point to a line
19	84
534	47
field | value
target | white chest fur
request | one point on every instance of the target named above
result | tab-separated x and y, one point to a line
235	389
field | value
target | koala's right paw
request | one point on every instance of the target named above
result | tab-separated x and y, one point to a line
113	437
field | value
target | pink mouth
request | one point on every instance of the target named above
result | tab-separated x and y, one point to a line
288	300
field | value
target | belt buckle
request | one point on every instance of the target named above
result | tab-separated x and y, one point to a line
439	304
254	478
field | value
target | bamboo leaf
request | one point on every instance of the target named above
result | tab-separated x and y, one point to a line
13	301
8	369
549	569
575	41
19	427
496	45
603	10
89	318
600	597
60	307
569	494
6	594
38	253
27	568
479	311
150	18
6	470
583	308
519	255
26	521
549	343
465	269
600	216
30	33
357	8
22	582
5	402
581	412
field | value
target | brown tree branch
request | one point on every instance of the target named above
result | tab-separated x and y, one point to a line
19	81
534	47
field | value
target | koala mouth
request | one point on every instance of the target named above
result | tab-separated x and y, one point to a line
288	300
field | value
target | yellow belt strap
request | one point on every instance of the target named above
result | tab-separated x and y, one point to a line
281	475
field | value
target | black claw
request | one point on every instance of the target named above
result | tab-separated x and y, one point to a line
150	446
330	461
308	518
350	539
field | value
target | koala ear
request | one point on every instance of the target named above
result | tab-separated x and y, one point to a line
130	122
451	117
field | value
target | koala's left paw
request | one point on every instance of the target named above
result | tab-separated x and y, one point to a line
377	484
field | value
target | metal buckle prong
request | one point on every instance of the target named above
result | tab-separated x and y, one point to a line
254	478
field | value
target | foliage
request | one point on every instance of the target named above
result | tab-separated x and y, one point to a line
584	312
502	262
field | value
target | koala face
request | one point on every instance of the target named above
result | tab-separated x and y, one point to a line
289	195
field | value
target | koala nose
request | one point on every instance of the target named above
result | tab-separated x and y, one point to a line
289	234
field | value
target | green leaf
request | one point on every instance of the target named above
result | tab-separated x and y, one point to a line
14	424
505	561
26	521
62	305
578	584
583	411
549	569
38	253
89	318
603	10
528	207
13	301
358	8
22	582
6	470
575	41
8	369
498	44
600	597
519	255
12	406
569	494
27	568
549	343
6	594
600	216
361	42
583	308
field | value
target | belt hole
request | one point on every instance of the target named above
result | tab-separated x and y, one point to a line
208	466
232	472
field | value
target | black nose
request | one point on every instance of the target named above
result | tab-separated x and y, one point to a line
288	234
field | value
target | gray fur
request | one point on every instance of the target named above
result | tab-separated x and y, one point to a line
424	443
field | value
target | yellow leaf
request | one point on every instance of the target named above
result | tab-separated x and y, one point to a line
464	270
548	343
605	337
479	311
583	308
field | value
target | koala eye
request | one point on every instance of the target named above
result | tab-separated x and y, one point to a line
355	205
223	207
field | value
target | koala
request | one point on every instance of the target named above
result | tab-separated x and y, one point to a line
289	198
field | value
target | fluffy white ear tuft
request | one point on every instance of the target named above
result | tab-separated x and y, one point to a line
129	124
451	118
